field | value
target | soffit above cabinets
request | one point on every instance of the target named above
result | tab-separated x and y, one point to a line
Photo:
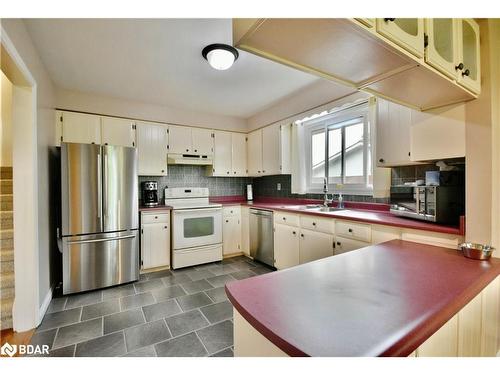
351	53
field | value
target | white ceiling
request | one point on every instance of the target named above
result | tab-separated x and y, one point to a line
159	62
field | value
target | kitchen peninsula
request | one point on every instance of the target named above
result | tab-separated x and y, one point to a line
398	298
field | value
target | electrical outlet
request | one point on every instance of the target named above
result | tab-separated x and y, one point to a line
278	186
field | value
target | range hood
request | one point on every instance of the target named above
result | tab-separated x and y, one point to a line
189	159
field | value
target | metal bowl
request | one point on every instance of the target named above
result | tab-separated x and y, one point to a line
476	250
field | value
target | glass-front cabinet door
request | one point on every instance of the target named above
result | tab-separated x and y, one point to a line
441	51
405	32
469	72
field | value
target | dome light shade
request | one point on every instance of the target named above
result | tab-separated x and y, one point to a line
220	56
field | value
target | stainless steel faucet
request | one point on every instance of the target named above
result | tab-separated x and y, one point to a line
326	201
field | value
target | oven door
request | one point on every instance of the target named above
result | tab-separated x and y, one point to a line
196	227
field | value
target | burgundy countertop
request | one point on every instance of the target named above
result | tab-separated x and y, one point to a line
373	213
382	300
160	207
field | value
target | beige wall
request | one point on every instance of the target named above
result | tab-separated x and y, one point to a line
16	31
6	122
105	105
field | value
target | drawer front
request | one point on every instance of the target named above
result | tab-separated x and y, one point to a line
317	224
348	229
286	218
231	211
157	217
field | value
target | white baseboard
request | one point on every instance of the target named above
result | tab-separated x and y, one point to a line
45	305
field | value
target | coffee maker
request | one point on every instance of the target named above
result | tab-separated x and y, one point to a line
150	193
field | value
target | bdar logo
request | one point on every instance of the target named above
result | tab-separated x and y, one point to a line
8	349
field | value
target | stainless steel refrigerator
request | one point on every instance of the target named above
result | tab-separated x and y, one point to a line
99	199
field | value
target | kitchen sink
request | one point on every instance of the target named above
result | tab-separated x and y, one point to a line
325	209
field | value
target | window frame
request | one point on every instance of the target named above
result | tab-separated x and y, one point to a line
341	119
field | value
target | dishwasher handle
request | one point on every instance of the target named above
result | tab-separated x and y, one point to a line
261	212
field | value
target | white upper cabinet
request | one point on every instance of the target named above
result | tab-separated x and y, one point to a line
222	154
271	150
441	50
469	73
179	140
405	32
80	128
239	154
203	141
254	153
117	132
187	140
152	142
393	134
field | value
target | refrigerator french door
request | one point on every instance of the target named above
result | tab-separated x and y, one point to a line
99	216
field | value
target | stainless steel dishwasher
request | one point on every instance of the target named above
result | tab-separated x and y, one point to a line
261	236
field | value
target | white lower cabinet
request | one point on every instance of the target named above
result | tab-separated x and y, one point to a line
155	239
286	246
344	245
315	245
231	230
245	230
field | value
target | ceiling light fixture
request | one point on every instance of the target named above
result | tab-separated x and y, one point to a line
220	56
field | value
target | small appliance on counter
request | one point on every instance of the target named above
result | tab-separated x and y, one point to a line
150	193
249	192
440	200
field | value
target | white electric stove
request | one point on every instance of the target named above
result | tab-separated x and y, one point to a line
196	227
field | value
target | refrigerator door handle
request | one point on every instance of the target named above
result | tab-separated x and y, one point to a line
105	187
101	239
99	189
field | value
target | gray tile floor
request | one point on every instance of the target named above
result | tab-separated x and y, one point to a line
179	313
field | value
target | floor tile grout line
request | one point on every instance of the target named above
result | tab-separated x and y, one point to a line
202	343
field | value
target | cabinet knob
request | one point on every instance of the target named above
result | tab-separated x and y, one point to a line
234	172
284	218
227	172
350	230
263	171
187	149
466	73
302	235
258	171
294	233
381	160
314	224
156	217
163	170
227	221
195	150
339	244
165	227
459	66
389	19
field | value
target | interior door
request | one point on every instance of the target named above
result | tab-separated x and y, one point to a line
81	188
120	188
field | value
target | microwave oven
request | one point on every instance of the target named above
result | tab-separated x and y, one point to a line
437	204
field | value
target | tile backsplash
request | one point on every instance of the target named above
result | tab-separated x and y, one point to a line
267	187
195	176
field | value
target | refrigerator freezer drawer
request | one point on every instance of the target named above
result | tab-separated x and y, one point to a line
197	255
98	261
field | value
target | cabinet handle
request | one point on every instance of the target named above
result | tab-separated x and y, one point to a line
466	73
459	66
381	160
389	19
339	244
